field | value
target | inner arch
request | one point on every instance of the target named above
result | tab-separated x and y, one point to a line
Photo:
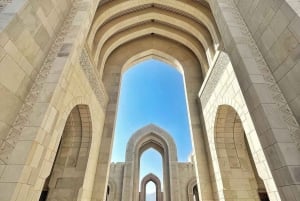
149	96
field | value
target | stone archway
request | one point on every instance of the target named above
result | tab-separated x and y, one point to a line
192	190
266	66
212	96
67	175
111	190
156	181
123	29
237	173
192	75
150	137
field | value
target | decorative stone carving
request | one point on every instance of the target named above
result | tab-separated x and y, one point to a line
8	144
285	113
217	70
96	84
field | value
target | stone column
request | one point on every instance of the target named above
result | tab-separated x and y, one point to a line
193	83
276	126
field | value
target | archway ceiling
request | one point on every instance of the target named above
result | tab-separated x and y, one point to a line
118	22
155	16
174	53
147	29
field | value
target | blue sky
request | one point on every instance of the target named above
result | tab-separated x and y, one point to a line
152	92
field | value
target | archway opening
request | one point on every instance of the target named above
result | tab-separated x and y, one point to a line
72	156
107	193
195	193
151	163
152	92
238	172
151	188
151	191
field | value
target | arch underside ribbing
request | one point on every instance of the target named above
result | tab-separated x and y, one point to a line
189	24
123	33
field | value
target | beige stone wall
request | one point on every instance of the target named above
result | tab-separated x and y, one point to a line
275	26
227	92
46	71
64	81
186	173
28	29
31	160
274	121
115	181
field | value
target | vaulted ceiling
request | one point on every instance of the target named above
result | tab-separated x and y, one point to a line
118	22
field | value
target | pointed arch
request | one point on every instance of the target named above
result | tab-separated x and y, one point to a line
238	177
111	190
191	189
154	137
151	136
197	12
72	155
156	181
153	54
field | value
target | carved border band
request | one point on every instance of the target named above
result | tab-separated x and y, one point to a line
285	111
95	83
8	144
214	77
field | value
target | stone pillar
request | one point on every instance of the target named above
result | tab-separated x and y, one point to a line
193	82
276	126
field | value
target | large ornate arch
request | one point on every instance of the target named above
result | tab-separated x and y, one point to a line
118	23
154	137
175	53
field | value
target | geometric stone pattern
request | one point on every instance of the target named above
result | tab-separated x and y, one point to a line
59	55
8	144
96	85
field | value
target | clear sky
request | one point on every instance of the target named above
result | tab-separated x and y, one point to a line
152	92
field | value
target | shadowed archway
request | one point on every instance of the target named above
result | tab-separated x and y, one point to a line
72	156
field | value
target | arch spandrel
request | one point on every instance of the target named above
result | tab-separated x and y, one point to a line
151	134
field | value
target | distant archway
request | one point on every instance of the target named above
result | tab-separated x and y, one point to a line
110	190
192	190
156	181
154	137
